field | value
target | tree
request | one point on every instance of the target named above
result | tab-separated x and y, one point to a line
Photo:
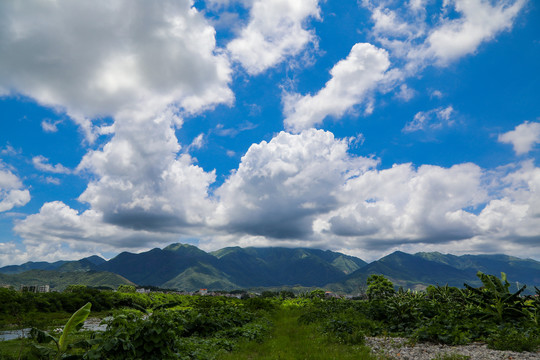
379	287
126	289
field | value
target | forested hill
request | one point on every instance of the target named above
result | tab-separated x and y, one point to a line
186	267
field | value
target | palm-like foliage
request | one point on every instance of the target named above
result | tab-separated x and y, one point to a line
496	299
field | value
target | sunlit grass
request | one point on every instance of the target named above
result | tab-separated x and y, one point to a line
291	340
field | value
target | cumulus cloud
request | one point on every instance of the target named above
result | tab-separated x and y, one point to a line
12	193
461	209
276	30
523	138
432	119
301	189
281	186
408	34
56	224
353	78
404	204
480	21
145	65
42	163
141	181
143	190
99	59
415	41
514	215
307	190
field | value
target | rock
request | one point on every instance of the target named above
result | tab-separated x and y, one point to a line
401	348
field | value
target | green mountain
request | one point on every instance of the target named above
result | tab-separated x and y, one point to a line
408	271
40	265
59	280
88	263
275	266
201	276
526	271
187	267
157	266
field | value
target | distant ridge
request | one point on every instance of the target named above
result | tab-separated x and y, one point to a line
59	280
186	267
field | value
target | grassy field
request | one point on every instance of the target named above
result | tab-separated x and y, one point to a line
291	340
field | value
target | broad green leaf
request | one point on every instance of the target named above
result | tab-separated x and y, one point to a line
41	336
78	317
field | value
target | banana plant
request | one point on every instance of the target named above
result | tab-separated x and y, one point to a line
74	323
496	299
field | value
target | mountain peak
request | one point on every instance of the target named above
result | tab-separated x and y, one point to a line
181	247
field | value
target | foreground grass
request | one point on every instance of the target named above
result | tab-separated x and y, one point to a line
291	340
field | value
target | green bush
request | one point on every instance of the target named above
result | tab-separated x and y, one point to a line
343	332
510	338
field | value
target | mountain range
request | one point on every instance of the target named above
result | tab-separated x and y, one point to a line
186	267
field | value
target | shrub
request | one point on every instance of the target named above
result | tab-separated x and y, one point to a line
509	338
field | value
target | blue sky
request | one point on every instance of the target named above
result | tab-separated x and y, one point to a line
357	126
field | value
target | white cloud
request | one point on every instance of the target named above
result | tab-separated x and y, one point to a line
480	21
51	180
405	93
307	190
281	186
13	198
42	163
353	78
275	31
143	191
143	63
301	189
56	224
523	138
11	254
432	119
406	32
197	143
403	204
141	181
102	58
436	94
415	41
514	215
50	126
389	23
9	151
12	193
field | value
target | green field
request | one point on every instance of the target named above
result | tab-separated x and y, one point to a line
273	325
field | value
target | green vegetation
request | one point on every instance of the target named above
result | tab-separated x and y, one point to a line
274	325
291	339
59	280
42	337
379	287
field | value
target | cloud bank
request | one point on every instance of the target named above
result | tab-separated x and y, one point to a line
95	60
149	66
